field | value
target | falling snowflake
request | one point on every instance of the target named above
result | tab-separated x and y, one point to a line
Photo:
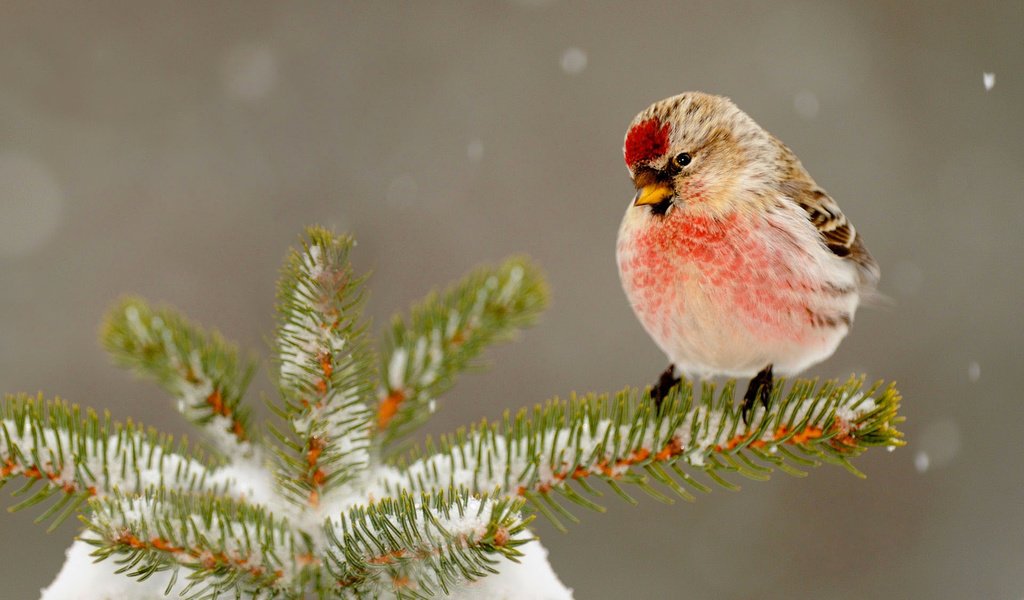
574	61
250	71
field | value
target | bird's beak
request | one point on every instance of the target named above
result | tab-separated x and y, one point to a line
652	193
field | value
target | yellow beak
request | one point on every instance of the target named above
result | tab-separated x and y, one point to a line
652	194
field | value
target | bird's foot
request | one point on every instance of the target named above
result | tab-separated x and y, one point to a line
760	388
666	382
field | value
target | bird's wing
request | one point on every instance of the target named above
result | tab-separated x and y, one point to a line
837	232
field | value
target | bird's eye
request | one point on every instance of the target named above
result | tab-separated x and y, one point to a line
682	159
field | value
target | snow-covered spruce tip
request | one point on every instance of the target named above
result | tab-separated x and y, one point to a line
309	507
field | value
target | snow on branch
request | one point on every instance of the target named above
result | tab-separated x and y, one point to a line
326	370
414	545
445	333
558	449
201	370
226	545
331	517
74	457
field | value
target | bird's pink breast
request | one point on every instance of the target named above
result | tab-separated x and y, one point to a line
734	266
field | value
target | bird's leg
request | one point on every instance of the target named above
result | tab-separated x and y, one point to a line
666	382
760	388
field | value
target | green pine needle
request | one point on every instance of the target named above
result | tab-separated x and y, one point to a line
326	370
69	457
624	440
226	544
198	368
418	546
343	520
445	334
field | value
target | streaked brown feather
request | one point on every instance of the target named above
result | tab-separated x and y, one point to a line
836	231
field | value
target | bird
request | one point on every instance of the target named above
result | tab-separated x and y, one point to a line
734	260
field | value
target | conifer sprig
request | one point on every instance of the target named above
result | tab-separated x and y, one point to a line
225	545
326	370
445	333
344	522
200	369
422	545
62	453
554	451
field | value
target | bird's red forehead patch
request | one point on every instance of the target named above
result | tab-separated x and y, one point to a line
647	140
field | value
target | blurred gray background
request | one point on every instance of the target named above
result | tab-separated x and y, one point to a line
175	150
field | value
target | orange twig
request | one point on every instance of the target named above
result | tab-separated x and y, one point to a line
389	407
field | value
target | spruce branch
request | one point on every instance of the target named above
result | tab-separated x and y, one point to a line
200	369
225	545
75	456
445	333
554	451
344	522
326	370
418	546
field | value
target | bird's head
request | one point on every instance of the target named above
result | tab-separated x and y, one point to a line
696	151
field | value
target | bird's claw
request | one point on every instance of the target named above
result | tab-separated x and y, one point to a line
666	382
760	389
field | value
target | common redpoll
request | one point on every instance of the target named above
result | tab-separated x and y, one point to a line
735	261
